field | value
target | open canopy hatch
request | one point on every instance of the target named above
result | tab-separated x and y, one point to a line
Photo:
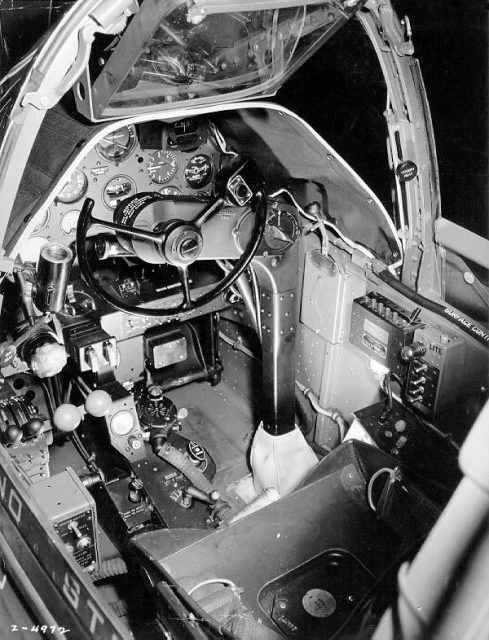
202	53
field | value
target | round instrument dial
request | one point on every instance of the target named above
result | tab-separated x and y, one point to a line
198	171
75	188
42	221
117	189
122	423
68	222
117	145
170	191
162	166
281	229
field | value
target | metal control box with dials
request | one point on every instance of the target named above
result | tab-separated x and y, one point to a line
71	509
381	328
434	375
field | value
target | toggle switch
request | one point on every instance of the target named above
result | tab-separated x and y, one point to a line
110	353
91	359
419	367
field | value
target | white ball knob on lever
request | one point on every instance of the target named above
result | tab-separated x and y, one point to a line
67	417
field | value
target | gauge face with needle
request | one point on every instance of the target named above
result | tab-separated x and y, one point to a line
162	166
117	189
117	145
198	171
281	229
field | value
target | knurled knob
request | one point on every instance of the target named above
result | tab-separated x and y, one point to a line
414	350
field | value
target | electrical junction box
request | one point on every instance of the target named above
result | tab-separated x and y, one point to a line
381	328
71	508
163	348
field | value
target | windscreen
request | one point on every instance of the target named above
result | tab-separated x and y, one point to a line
187	58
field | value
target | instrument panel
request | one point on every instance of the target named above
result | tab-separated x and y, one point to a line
129	160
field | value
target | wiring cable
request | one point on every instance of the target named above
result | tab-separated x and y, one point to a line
223	581
221	141
455	317
392	473
237	346
326	223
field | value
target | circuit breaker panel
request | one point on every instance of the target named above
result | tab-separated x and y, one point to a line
436	359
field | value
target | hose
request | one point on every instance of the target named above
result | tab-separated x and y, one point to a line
332	414
453	316
181	462
204	583
237	346
392	473
110	568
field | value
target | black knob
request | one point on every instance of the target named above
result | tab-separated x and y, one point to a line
155	392
414	350
33	427
12	434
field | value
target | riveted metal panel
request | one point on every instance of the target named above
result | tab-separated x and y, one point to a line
310	354
326	362
329	289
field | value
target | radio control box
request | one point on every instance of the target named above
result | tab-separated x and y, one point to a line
71	508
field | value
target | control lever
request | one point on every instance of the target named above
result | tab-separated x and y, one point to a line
8	349
67	417
220	509
192	492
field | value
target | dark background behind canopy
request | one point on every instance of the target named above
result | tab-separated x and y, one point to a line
340	93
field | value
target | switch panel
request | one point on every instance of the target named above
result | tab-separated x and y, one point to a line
91	347
71	508
381	328
400	434
433	379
